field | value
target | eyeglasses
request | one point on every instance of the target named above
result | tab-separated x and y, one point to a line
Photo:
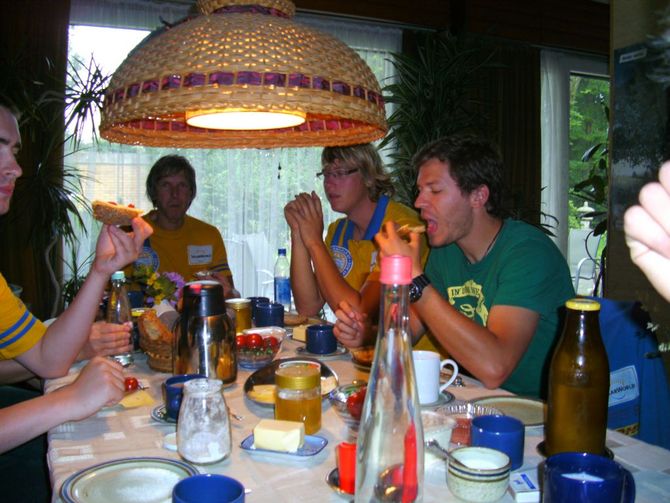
335	174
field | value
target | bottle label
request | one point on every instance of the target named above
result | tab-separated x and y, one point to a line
283	291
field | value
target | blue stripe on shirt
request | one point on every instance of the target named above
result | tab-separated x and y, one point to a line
16	325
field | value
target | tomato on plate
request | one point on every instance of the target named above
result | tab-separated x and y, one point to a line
131	384
241	341
271	342
254	341
355	403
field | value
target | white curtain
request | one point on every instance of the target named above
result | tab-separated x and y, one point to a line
556	68
242	192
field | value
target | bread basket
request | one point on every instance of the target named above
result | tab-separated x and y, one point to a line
156	341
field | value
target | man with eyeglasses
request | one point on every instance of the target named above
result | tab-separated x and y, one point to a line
343	266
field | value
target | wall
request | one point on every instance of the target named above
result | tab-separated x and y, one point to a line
633	21
581	25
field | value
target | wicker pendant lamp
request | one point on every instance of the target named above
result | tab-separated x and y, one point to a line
238	60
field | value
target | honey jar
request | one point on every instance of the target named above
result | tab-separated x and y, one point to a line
240	311
299	394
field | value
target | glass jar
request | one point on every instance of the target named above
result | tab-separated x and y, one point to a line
299	394
240	309
203	428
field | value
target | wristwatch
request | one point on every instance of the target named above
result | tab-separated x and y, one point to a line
417	286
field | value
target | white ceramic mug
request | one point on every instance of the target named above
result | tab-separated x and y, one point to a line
427	366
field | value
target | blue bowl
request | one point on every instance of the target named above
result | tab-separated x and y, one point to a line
208	488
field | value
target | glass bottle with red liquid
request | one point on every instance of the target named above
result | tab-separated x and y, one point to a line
389	464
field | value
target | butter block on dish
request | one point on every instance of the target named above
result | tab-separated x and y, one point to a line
275	435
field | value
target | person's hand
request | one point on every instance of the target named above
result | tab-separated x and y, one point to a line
107	339
351	326
390	243
291	215
647	229
306	214
116	248
99	384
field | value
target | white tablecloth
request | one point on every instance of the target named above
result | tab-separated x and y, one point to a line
115	433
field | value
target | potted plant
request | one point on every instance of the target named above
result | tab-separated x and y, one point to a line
432	98
52	195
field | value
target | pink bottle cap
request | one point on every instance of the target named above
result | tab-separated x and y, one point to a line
396	270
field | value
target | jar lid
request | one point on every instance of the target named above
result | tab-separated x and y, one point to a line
582	304
301	375
238	304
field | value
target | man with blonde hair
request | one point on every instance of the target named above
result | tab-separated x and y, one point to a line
343	266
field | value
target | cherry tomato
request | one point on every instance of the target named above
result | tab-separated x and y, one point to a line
355	403
271	342
131	384
241	341
254	341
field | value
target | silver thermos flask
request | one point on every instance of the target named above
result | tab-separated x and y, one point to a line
204	334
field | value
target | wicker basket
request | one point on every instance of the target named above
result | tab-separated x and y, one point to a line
237	57
156	342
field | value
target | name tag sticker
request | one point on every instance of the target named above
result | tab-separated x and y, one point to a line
624	386
199	255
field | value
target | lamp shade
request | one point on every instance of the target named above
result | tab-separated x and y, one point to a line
237	61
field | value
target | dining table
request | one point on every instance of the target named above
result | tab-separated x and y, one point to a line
117	432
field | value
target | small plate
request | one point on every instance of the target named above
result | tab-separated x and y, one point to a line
529	411
124	480
443	398
333	480
540	449
362	357
160	414
266	375
312	446
341	350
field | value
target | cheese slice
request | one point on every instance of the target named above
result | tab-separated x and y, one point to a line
275	435
300	333
263	393
137	399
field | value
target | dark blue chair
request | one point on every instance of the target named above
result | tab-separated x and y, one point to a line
639	402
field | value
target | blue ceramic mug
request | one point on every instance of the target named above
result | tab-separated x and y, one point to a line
504	433
254	302
580	477
269	314
208	488
174	391
321	340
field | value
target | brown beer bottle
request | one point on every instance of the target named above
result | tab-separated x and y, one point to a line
578	384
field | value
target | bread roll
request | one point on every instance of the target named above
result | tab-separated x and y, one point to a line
114	214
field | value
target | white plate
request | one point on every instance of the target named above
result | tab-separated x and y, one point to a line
312	446
529	411
128	480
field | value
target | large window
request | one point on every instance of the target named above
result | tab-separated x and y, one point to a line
241	192
574	89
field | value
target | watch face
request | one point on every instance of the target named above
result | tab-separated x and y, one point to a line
414	292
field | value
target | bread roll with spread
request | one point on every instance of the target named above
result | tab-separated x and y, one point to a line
114	214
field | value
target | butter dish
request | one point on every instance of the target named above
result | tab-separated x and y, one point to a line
312	446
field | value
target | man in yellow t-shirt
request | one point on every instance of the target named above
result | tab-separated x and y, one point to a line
181	243
343	268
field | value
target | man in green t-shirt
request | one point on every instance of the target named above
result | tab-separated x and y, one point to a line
493	288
